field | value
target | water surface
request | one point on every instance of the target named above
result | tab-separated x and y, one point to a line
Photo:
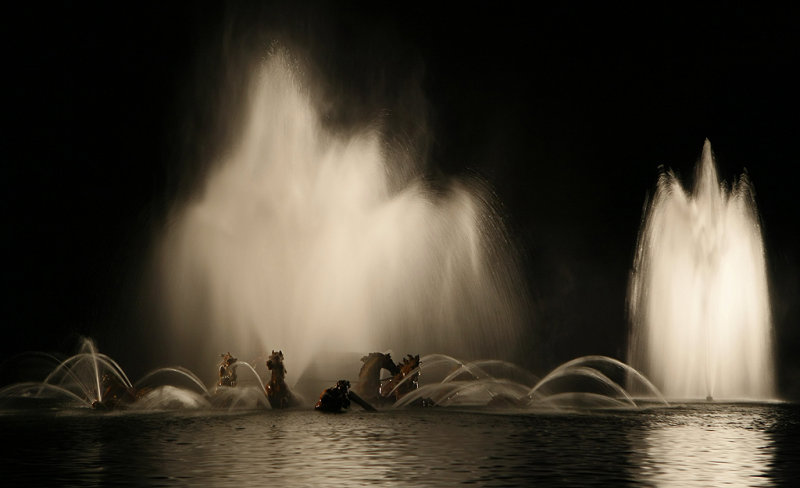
686	445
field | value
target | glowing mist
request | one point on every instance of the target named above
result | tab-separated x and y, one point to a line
698	297
299	241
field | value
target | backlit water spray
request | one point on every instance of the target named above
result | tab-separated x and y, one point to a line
299	240
698	299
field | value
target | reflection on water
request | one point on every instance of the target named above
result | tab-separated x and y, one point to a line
725	445
695	445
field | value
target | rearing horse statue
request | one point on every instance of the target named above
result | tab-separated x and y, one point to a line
369	381
278	392
404	377
227	370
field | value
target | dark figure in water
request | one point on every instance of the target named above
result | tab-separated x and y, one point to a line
227	370
278	392
334	399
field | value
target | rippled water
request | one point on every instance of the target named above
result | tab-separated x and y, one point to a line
686	445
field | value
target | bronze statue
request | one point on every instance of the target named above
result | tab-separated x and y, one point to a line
337	398
404	382
404	379
334	399
278	392
227	370
369	381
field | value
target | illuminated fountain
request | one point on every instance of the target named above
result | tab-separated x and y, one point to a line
310	241
93	379
318	244
588	382
77	380
90	379
698	295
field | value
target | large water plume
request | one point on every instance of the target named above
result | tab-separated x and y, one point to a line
699	299
299	240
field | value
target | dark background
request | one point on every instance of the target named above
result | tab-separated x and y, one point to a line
112	113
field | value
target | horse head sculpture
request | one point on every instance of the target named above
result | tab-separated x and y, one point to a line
275	363
369	381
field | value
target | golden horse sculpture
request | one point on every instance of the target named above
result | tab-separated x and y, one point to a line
369	380
278	392
227	370
404	379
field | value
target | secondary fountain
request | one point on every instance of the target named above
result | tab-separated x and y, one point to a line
82	379
310	241
93	379
698	298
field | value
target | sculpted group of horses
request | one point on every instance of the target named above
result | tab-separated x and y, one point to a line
371	389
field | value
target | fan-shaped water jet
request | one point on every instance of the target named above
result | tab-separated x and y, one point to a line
699	301
146	380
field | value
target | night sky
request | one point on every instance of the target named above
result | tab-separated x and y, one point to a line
112	114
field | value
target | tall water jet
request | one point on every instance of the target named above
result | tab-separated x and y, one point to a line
300	240
698	298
